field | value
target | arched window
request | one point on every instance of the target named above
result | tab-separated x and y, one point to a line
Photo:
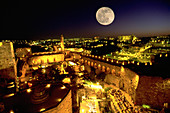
103	68
99	66
48	60
82	60
85	61
42	61
95	65
108	69
89	63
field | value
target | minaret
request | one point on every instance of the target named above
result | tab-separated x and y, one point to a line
62	43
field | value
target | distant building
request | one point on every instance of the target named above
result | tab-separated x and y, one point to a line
7	61
125	38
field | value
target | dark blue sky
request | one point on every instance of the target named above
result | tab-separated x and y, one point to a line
72	18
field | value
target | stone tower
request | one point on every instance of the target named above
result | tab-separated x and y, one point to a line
62	43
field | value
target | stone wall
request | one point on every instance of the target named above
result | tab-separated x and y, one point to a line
7	60
153	91
65	106
122	77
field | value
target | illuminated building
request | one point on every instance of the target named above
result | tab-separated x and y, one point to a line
62	43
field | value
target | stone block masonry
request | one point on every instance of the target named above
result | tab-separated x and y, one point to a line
65	106
7	60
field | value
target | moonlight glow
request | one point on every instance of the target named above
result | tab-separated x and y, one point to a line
105	15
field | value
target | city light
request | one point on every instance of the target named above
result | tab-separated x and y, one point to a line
83	110
9	95
100	78
59	99
96	86
11	111
146	106
42	109
72	63
43	70
160	55
166	55
29	84
28	90
28	50
150	63
11	86
48	86
66	80
43	66
63	87
11	83
122	69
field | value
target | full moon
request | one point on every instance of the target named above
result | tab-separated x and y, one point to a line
105	15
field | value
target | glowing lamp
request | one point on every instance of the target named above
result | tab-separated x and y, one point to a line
11	111
30	84
59	99
48	86
28	90
63	87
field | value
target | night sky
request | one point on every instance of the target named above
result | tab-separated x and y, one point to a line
41	20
